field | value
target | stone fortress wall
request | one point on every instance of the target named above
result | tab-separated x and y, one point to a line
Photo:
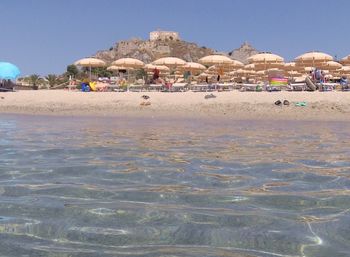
164	35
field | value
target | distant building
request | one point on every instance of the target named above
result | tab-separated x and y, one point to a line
164	35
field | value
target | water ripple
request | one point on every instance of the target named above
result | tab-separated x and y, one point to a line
134	187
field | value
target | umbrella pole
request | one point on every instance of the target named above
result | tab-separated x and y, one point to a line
90	72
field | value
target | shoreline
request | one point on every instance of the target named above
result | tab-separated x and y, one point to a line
234	105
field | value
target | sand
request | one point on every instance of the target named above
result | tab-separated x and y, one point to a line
231	105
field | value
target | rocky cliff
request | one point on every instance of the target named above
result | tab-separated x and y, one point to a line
148	51
242	53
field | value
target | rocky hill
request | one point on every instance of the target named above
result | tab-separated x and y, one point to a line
148	51
242	53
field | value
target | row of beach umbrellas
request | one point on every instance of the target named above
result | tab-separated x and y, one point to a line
258	65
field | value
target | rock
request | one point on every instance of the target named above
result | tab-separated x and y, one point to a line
150	50
243	52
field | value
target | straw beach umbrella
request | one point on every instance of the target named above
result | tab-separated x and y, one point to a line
215	60
265	58
117	68
264	61
345	60
249	66
129	62
193	67
221	62
290	66
331	65
151	67
313	59
169	62
90	63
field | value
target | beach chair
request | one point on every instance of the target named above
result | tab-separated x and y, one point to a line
297	86
327	86
225	86
179	87
135	88
251	87
155	87
200	88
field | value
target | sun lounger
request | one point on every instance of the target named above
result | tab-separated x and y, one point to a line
225	87
328	86
135	88
178	87
250	87
298	86
200	88
116	88
155	87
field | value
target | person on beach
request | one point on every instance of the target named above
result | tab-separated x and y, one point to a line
155	75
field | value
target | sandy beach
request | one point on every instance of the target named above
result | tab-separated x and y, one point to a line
233	105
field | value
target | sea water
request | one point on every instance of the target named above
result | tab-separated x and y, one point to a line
171	187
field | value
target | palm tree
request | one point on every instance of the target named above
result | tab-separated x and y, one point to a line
52	79
34	80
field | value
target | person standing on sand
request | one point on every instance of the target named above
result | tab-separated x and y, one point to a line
155	75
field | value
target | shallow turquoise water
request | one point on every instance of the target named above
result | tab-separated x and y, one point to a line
173	187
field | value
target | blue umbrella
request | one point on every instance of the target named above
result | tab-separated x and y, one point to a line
8	71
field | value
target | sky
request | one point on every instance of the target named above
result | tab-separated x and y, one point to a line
44	36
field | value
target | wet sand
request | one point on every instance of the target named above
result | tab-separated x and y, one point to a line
231	105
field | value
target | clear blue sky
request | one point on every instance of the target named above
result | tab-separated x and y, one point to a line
44	36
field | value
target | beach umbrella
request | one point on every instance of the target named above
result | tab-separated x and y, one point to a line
90	63
193	67
265	58
8	71
243	72
250	66
331	65
313	59
345	60
344	69
290	66
129	62
294	73
264	61
151	67
204	74
220	60
117	68
169	61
